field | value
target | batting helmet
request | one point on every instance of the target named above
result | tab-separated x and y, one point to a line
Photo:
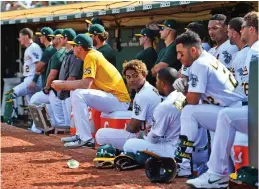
162	170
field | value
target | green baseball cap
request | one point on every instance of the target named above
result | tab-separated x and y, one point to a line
47	31
69	33
82	40
95	29
95	20
146	32
170	24
58	33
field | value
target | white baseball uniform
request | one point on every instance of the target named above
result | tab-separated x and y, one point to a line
229	121
218	89
144	104
163	136
32	55
224	53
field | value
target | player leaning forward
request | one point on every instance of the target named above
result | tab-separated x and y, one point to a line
101	88
209	81
231	119
144	103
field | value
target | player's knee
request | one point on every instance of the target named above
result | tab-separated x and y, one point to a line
99	136
77	96
127	147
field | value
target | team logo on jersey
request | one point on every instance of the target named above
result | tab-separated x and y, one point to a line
184	68
194	79
87	71
137	108
36	55
227	57
240	71
245	72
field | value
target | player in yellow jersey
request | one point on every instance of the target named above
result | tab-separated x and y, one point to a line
101	88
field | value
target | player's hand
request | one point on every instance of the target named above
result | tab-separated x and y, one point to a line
180	84
45	90
153	72
57	85
32	85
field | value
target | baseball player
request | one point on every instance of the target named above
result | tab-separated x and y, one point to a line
47	96
213	84
163	136
101	88
224	51
94	20
144	103
71	69
32	56
230	119
99	36
148	55
167	56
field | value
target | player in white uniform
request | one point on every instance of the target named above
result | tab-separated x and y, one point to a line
230	119
209	81
32	56
163	136
217	29
144	103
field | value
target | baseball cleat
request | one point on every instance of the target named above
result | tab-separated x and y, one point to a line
70	139
80	143
208	180
186	173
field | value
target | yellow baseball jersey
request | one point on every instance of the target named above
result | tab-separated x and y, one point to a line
106	76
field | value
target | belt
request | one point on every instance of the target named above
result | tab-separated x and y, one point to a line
244	103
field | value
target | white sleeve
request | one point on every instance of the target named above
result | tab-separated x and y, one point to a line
140	108
185	71
198	78
35	54
161	120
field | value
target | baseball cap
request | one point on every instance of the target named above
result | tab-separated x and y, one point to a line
58	32
95	29
95	20
69	33
170	24
82	40
197	28
47	31
146	32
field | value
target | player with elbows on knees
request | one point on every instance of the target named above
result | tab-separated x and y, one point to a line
101	88
144	103
213	84
163	136
231	119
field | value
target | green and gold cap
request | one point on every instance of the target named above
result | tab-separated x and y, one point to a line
58	33
82	40
170	24
46	31
95	29
69	33
146	32
95	20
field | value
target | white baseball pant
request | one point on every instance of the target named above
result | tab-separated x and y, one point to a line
114	137
229	121
195	120
66	106
56	106
23	90
99	100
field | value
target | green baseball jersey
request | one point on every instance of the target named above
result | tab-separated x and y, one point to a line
149	57
47	54
169	56
108	53
55	62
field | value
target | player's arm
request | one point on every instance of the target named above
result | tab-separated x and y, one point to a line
134	125
73	85
51	77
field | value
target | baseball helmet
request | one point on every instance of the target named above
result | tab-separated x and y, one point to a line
162	170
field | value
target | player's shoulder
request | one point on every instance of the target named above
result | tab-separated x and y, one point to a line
148	92
34	47
229	47
203	59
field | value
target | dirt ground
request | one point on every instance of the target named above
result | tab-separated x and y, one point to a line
31	161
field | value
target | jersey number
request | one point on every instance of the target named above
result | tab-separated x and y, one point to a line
27	68
245	88
210	101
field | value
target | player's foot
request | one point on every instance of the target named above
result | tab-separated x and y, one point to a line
38	131
80	143
208	180
70	139
184	172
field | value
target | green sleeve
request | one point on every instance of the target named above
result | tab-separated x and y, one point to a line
47	54
56	61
